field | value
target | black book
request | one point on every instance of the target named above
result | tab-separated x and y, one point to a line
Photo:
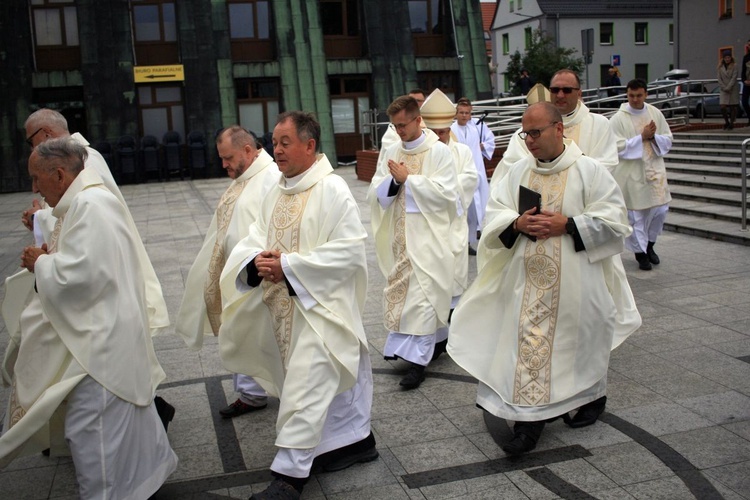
528	199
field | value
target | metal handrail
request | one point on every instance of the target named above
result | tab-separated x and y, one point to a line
743	150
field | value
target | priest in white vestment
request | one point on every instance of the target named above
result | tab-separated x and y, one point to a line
643	139
45	124
253	173
437	113
480	139
537	325
590	131
296	325
413	197
85	361
391	137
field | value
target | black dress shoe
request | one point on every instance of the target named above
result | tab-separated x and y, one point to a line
652	257
588	413
165	411
644	264
414	377
525	437
472	251
238	408
278	490
440	348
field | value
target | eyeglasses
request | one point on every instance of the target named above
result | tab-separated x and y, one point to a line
534	133
402	126
566	90
29	138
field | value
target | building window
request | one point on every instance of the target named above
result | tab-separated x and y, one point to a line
154	32
341	28
747	6
508	84
55	25
161	110
606	34
511	6
520	4
506	44
641	71
527	37
725	9
250	30
350	97
258	103
641	33
447	82
723	49
671	33
429	22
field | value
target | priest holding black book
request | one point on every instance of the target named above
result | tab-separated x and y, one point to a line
537	326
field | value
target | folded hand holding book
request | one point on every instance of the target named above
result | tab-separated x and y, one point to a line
528	199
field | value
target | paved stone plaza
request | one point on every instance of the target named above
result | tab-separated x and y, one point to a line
677	424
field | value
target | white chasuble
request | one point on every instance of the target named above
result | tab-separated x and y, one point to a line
413	236
200	310
284	343
538	323
88	317
468	178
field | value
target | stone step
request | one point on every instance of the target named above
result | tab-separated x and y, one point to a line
700	152
707	142
718	211
706	195
704	160
705	181
733	171
707	227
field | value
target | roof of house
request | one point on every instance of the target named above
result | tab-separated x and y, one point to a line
488	14
607	8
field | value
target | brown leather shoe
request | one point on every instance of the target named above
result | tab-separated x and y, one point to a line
238	408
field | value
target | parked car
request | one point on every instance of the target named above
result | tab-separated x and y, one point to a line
710	105
676	93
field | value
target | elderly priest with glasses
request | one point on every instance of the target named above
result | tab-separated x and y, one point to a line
537	325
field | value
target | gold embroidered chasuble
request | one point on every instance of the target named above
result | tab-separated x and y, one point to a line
238	208
538	323
413	235
316	226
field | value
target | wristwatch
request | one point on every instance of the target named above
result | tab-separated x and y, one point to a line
570	226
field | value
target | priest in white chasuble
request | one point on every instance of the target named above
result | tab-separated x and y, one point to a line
413	198
537	325
438	112
296	325
85	362
253	173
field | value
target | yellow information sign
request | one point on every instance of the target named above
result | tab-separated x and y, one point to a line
155	74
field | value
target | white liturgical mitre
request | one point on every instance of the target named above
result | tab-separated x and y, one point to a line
438	111
538	93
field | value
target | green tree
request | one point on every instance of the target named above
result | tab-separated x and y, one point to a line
542	59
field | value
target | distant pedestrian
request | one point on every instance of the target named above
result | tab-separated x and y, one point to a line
525	82
729	92
745	77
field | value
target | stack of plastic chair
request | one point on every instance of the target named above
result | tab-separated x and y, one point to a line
127	159
171	142
196	142
150	155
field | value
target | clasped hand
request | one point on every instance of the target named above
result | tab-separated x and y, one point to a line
268	264
398	171
543	225
30	254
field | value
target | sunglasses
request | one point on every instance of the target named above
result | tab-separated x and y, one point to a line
566	90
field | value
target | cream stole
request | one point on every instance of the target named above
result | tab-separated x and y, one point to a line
211	289
541	299
284	236
394	296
